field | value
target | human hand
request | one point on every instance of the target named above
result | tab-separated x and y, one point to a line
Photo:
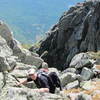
18	84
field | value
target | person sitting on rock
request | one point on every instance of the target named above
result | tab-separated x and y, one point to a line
42	82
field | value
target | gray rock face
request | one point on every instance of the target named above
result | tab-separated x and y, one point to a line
7	61
67	78
9	46
24	55
72	70
87	73
80	60
86	85
29	94
83	97
5	32
14	94
77	31
71	85
4	66
4	48
11	61
31	60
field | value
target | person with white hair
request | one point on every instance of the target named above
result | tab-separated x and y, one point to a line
42	82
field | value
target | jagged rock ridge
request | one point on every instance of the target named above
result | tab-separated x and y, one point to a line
77	31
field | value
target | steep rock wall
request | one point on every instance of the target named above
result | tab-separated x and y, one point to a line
77	31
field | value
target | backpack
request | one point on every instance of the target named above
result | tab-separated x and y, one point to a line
52	76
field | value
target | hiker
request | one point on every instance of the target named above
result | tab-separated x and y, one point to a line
42	81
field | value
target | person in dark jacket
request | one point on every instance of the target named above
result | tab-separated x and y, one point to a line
43	83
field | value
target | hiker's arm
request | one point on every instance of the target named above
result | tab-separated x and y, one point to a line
25	81
22	82
42	90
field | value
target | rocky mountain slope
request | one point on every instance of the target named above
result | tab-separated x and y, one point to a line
77	31
80	80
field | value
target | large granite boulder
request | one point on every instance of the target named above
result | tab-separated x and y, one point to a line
77	31
25	55
67	78
87	74
71	85
4	66
72	70
7	61
80	60
6	32
4	48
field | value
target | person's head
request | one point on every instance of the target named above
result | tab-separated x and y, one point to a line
32	73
